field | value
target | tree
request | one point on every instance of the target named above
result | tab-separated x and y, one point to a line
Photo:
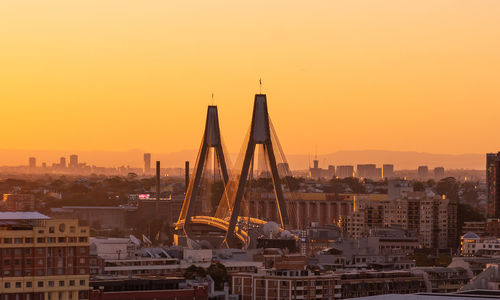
418	186
354	184
193	271
448	186
334	186
218	273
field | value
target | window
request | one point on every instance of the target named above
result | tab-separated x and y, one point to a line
18	240
51	229
40	251
72	283
6	262
29	284
51	283
17	262
7	241
40	262
29	261
83	250
82	239
28	240
18	285
52	239
40	284
7	285
82	260
40	240
82	282
72	229
17	251
61	283
28	251
61	240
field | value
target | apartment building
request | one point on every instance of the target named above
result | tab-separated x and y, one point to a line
285	284
43	258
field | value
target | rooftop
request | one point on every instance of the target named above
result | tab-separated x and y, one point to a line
25	215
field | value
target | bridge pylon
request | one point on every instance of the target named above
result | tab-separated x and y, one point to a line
211	139
260	134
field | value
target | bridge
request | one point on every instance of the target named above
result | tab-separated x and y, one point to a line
230	225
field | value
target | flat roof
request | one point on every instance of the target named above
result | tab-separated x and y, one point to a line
25	215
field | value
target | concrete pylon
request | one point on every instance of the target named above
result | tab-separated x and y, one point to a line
260	133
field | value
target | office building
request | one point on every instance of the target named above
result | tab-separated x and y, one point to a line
62	162
388	171
73	161
43	258
438	173
345	171
492	182
423	172
147	163
369	171
32	162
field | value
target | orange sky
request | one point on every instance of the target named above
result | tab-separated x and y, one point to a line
119	75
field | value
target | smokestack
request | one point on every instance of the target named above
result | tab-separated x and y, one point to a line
186	174
157	185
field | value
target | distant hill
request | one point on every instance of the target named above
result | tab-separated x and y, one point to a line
400	159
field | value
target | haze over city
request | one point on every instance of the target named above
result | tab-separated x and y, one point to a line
249	150
340	75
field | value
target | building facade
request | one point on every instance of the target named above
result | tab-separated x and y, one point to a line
43	258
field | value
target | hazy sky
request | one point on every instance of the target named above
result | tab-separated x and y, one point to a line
119	75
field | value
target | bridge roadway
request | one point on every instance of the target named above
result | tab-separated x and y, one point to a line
211	224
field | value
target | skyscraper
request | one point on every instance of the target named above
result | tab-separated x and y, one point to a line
423	172
147	163
73	161
32	162
492	181
388	171
62	162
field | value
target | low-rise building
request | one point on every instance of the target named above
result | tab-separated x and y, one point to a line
442	279
285	284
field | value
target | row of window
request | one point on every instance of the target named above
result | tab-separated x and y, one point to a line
40	272
29	240
29	261
40	284
51	251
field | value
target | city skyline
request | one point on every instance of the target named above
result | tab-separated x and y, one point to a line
402	160
396	75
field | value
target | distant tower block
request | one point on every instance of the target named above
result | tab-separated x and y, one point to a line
147	163
62	162
73	161
211	139
260	133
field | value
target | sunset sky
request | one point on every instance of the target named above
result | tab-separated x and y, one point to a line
339	75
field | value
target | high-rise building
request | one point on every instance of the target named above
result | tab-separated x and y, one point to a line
438	173
368	171
388	171
62	162
492	181
32	162
423	172
43	258
344	171
147	163
73	161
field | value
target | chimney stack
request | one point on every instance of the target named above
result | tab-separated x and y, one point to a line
186	174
